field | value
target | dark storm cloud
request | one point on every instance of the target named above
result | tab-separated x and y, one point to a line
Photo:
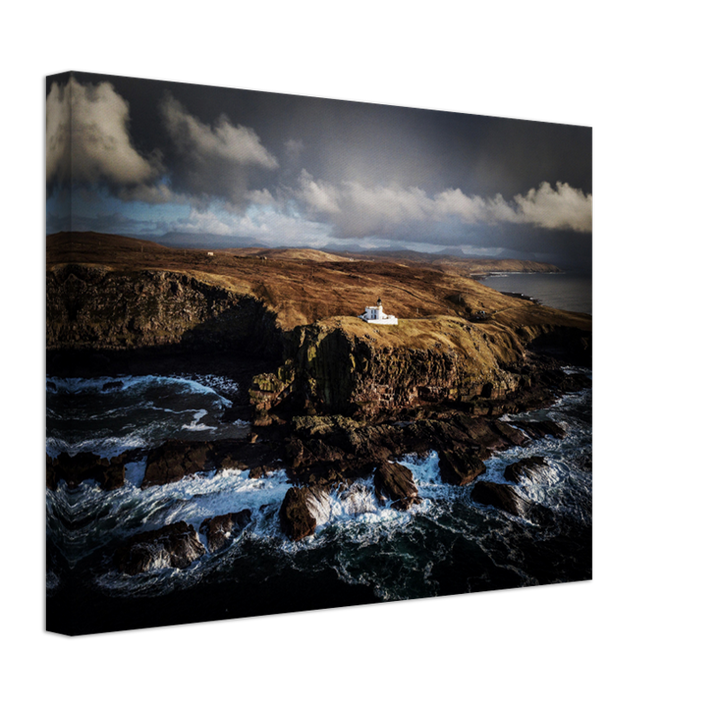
246	160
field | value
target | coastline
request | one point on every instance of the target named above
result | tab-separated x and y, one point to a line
356	441
287	591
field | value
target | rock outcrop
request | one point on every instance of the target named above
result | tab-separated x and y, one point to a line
174	460
176	545
296	521
395	482
220	530
461	466
525	469
348	368
502	496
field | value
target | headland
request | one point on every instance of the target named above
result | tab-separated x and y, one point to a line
328	397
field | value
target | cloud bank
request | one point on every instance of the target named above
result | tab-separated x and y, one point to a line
159	165
357	210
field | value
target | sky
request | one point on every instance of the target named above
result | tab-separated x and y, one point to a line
225	167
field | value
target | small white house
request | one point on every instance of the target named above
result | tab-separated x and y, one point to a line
375	315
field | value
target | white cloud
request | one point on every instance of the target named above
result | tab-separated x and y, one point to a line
233	143
212	160
320	197
87	129
561	208
390	204
57	133
452	202
264	223
358	210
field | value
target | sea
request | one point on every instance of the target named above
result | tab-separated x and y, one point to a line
571	291
363	551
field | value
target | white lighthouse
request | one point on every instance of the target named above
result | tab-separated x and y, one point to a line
375	315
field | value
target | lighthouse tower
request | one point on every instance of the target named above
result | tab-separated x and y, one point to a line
375	315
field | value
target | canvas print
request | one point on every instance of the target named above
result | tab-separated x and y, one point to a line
306	353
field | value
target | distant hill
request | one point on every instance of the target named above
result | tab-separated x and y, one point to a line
88	246
83	243
207	241
319	256
456	265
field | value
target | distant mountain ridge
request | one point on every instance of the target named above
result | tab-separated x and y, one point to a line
207	241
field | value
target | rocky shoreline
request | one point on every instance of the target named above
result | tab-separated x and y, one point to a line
330	400
324	453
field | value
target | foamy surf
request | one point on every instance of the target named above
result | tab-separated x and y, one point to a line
399	554
107	416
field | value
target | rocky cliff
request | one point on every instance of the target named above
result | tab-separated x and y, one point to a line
343	365
98	308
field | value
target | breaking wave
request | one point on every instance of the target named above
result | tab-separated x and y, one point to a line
399	554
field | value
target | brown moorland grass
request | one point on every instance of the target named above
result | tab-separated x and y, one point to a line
304	287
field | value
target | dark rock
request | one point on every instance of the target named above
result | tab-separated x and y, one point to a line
174	460
176	545
84	466
502	496
333	448
542	428
507	432
524	469
325	449
220	530
460	466
405	504
395	482
107	309
296	521
113	385
242	454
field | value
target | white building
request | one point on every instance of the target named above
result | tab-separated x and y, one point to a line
375	315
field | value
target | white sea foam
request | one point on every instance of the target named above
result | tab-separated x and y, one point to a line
425	469
219	384
195	498
196	425
107	385
144	411
364	540
343	504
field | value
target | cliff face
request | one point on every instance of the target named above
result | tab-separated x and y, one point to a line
94	307
346	366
